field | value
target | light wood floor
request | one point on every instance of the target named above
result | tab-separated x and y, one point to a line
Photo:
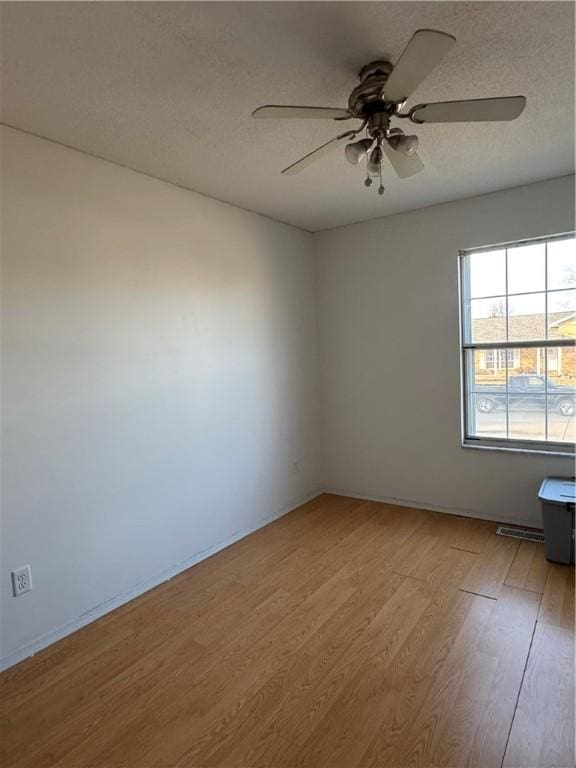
345	634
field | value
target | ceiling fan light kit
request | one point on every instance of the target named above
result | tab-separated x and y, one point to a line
375	161
408	145
357	150
380	97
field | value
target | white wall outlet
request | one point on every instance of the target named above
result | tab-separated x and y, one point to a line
21	580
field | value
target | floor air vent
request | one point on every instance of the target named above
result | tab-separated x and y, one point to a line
520	533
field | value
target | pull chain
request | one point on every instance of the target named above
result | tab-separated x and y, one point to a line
381	187
367	180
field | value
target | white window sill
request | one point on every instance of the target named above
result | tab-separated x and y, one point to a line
481	445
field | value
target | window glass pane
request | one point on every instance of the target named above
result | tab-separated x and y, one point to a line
562	315
487	273
486	396
526	416
518	362
562	394
526	320
561	427
526	266
528	368
526	395
488	319
562	264
562	366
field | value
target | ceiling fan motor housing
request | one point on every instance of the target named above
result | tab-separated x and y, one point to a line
366	98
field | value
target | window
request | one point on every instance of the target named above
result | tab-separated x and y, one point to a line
518	332
497	359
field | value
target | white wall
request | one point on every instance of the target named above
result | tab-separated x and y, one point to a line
159	380
390	359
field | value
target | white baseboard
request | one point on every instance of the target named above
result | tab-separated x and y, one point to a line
49	638
530	523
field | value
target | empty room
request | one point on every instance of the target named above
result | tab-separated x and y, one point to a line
288	384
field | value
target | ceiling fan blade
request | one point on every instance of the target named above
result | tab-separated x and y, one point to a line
472	110
307	113
404	165
317	153
425	50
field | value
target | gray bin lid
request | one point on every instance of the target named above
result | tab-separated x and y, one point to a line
558	490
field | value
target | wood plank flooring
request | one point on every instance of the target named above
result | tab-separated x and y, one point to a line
347	633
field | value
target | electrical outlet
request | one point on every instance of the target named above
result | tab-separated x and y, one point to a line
21	580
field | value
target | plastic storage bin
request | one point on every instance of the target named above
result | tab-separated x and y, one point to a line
558	497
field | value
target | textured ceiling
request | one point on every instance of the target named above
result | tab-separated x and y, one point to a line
167	88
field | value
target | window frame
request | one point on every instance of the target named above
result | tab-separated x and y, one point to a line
514	445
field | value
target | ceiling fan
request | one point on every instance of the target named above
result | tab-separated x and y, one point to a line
381	95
